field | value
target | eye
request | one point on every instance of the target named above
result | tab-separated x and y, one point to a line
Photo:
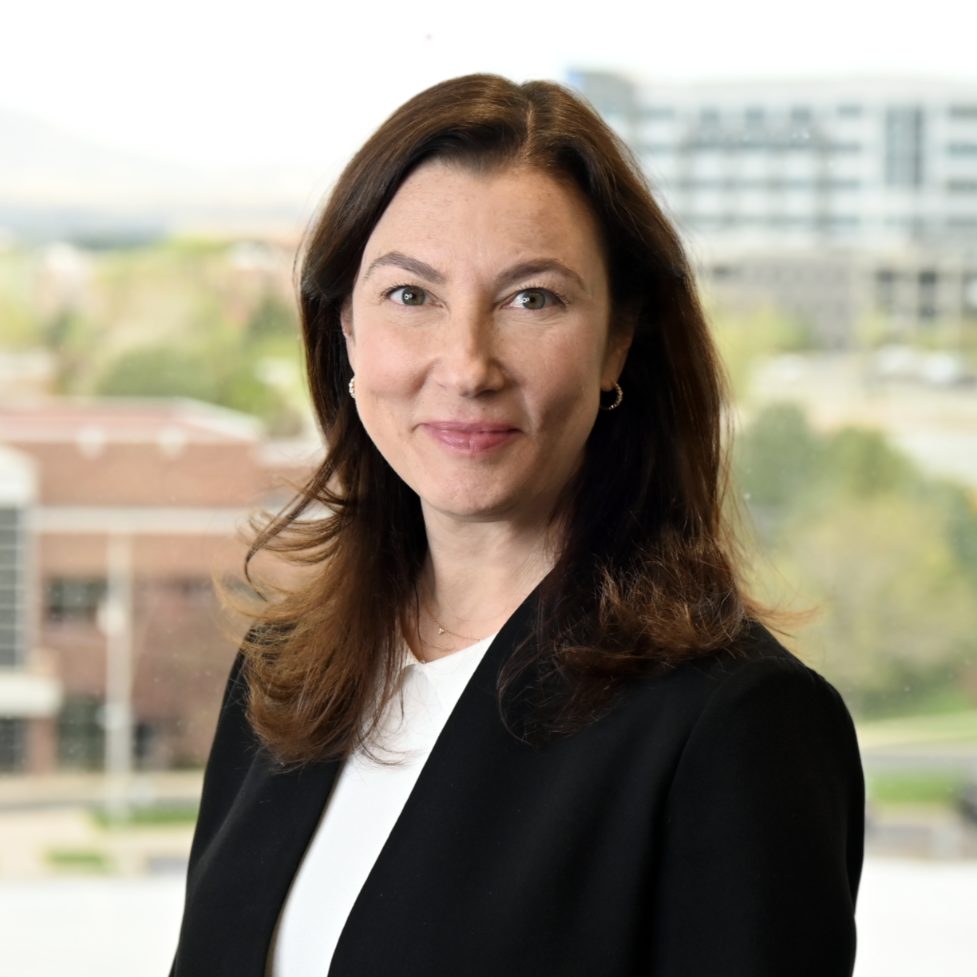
408	295
532	299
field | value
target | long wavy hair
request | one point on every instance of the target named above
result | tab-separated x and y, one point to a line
647	576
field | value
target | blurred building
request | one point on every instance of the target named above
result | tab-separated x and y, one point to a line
841	200
115	517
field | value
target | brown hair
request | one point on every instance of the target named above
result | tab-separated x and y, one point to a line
645	579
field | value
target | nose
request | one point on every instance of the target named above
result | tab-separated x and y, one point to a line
468	361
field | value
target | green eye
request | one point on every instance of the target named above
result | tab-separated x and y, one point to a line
409	295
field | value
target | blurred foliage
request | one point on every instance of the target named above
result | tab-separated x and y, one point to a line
17	329
743	340
187	317
886	556
272	318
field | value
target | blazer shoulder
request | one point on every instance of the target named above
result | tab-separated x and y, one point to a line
764	819
231	756
756	659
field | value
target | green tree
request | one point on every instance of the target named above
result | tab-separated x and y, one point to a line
219	374
886	557
895	619
160	371
862	463
778	462
272	318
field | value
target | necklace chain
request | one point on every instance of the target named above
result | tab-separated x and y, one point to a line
443	630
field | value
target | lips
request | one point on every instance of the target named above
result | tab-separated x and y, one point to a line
470	438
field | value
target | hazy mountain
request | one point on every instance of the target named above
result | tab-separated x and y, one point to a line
57	183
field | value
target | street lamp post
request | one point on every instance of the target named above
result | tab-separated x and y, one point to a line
116	622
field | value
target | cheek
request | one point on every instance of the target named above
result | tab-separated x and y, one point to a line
383	364
569	373
566	405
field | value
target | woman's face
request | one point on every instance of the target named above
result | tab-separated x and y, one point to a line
479	333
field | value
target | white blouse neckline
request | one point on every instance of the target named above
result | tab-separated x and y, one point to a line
367	799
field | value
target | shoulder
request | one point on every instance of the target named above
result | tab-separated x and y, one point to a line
231	756
750	712
754	674
758	692
767	745
764	815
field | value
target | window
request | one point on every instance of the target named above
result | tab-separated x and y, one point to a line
904	131
81	733
73	599
12	572
13	745
195	590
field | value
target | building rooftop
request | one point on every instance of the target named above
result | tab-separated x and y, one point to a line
125	420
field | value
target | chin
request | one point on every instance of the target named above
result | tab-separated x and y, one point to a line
474	510
475	504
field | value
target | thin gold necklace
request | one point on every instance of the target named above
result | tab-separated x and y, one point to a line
443	630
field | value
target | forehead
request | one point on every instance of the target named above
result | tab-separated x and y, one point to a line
520	211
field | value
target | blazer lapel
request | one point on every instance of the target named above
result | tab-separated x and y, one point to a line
380	924
242	875
234	906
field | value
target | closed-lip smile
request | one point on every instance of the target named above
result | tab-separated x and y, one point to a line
470	437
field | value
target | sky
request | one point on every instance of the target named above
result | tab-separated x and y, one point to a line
212	78
300	84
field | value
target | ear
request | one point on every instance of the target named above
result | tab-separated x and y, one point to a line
346	324
618	344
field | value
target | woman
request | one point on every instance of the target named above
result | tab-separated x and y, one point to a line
522	717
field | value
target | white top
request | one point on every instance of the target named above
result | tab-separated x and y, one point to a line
364	806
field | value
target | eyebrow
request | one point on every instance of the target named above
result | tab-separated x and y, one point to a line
397	259
525	269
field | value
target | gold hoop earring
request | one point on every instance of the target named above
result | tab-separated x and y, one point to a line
352	388
618	397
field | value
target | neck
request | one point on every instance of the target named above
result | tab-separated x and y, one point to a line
475	576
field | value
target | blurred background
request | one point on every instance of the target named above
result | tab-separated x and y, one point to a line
157	170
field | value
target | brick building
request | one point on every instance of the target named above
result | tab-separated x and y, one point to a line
115	517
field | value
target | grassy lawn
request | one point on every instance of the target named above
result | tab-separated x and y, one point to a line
916	785
87	860
901	788
154	816
940	728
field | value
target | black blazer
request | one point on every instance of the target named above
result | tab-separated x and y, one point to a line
710	825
